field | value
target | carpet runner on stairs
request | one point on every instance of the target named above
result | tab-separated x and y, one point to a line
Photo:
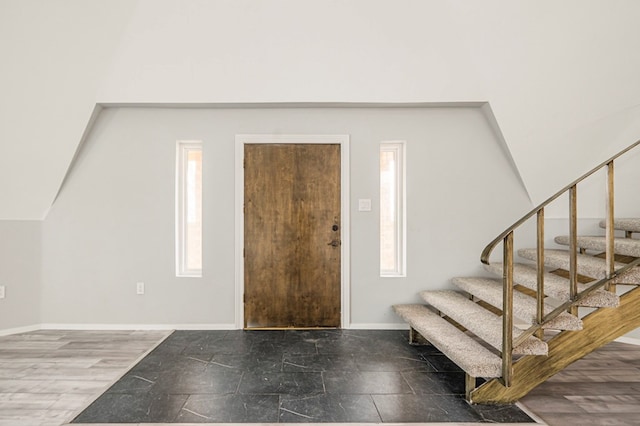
624	224
554	285
463	350
470	333
479	321
589	266
524	306
623	246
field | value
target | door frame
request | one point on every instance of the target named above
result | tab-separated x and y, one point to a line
345	283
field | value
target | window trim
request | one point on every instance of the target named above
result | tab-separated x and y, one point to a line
183	147
399	148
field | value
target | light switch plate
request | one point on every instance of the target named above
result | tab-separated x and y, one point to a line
364	204
2	292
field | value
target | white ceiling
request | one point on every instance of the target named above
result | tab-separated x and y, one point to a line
560	77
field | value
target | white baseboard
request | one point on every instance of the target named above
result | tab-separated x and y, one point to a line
18	330
160	327
628	340
378	326
53	326
88	327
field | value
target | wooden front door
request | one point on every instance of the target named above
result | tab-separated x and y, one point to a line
291	235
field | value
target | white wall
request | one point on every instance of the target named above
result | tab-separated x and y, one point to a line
113	223
54	54
561	77
20	273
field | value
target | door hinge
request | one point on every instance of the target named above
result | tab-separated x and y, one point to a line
244	252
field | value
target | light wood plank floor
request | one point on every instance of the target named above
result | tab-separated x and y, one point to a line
48	377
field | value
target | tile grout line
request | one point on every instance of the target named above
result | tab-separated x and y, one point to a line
322	371
373	400
407	382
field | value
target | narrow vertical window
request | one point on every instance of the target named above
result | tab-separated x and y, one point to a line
189	209
392	209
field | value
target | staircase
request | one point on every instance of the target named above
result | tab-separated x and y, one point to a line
521	324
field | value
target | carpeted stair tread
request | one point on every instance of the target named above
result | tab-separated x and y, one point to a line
463	350
479	321
624	246
624	224
555	285
588	265
524	306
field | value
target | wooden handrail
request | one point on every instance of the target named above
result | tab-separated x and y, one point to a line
574	295
486	253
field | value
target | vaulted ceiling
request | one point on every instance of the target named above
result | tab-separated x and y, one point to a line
561	78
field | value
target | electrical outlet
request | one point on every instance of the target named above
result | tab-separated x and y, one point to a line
140	287
2	292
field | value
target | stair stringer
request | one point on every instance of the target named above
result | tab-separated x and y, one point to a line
599	328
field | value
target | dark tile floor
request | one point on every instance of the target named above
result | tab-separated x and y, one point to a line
328	376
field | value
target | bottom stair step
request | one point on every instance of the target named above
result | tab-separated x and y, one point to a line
463	350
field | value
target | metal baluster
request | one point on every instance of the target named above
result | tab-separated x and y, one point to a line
609	231
507	310
540	251
573	246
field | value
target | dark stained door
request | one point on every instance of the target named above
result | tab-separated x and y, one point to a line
292	235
